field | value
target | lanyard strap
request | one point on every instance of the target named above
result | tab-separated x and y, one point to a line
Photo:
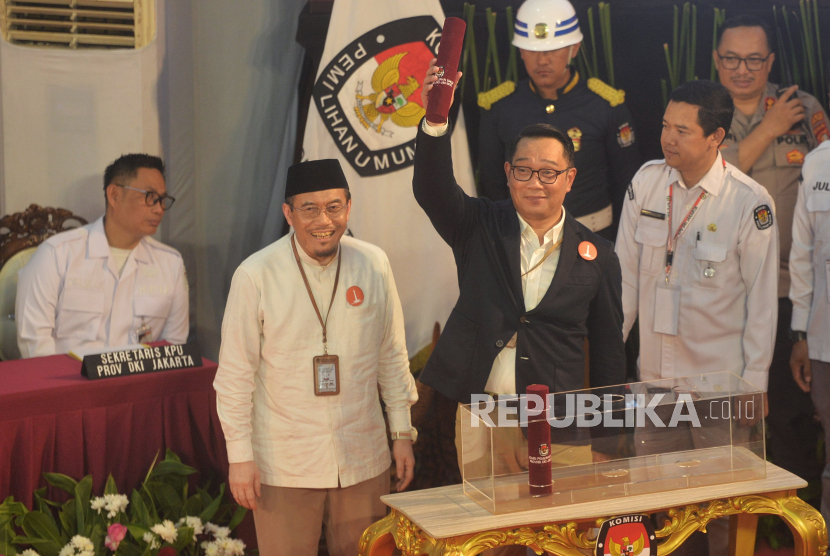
680	229
550	250
311	295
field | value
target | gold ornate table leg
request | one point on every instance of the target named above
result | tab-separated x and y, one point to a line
396	530
804	521
378	539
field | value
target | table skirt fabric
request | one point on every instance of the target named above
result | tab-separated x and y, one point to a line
51	419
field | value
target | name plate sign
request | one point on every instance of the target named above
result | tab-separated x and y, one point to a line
140	361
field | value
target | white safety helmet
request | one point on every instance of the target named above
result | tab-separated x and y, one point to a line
543	25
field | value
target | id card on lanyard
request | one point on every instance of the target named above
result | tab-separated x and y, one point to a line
667	297
326	367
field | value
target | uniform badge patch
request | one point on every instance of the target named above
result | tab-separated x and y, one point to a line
653	214
576	137
627	535
625	135
768	102
630	192
763	217
795	157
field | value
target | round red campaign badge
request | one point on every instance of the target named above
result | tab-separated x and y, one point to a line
354	296
587	251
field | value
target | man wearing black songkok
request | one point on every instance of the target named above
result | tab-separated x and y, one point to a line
312	328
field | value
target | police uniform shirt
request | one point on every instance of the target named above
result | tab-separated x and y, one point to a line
606	155
724	267
810	254
71	295
779	167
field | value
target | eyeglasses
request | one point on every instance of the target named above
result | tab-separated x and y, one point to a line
546	175
151	197
733	62
312	212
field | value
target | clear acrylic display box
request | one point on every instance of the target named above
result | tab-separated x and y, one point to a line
608	443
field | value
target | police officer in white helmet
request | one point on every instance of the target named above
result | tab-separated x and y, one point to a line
592	113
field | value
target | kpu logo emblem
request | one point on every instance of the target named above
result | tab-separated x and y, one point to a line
629	535
369	95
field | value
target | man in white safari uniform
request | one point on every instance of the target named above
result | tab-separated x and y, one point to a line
810	273
108	283
698	247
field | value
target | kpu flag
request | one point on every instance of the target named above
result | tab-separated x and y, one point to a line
368	105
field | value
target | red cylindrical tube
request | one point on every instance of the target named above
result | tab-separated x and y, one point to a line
449	52
538	441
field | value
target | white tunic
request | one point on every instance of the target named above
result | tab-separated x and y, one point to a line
725	267
810	254
265	384
71	294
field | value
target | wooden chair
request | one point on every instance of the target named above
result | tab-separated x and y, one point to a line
20	234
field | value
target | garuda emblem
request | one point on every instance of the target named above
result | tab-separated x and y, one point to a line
626	547
390	99
616	534
368	95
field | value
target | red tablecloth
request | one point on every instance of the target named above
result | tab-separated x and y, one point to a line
53	419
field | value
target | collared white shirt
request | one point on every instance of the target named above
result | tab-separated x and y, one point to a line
265	380
810	254
725	267
535	284
71	294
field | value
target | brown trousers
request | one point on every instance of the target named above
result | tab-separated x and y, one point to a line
289	520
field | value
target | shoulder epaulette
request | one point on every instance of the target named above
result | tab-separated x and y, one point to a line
68	235
615	97
156	244
488	98
652	163
649	164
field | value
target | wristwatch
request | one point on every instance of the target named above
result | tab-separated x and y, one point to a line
797	335
411	434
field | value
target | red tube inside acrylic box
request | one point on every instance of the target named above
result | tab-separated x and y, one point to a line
717	437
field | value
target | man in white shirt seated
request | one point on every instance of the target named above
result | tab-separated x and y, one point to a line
108	283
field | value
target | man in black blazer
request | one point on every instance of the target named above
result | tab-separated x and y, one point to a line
509	329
